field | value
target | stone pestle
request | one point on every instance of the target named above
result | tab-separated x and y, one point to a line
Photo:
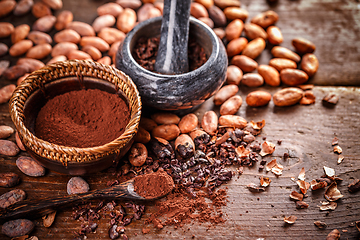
172	57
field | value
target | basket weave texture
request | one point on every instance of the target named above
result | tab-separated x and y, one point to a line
74	68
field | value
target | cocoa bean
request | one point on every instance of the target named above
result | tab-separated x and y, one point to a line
185	146
21	79
6	29
4	65
160	6
274	35
148	124
94	53
20	33
331	98
33	64
282	52
236	46
142	136
232	13
309	64
12	197
219	32
84	29
147	11
252	80
63	48
77	185
233	29
113	48
258	98
79	55
207	21
6	93
39	51
265	19
227	3
106	60
270	75
282	63
231	106
188	123
67	35
40	10
206	3
54	4
303	45
111	35
217	15
133	4
287	96
197	133
3	50
293	77
95	42
20	48
103	21
23	7
138	155
166	131
58	58
44	24
18	142
109	8
30	167
253	31
225	93
6	7
16	71
39	37
209	122
254	48
8	148
126	20
63	19
9	179
232	121
17	228
6	131
197	10
233	75
165	118
245	63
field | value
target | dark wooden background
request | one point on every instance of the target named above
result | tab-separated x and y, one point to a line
306	133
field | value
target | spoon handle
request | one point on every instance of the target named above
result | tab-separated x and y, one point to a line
34	208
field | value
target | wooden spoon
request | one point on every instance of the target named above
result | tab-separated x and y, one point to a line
34	208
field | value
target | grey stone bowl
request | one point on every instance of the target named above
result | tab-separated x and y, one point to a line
179	91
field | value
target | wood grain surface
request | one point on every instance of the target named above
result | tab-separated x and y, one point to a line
306	133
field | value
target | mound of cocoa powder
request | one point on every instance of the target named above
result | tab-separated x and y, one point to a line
153	185
84	118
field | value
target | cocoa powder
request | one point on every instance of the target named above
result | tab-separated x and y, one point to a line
84	118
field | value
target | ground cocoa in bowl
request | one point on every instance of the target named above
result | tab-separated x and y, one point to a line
83	118
153	185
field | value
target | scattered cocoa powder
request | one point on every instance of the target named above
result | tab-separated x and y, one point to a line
153	185
84	118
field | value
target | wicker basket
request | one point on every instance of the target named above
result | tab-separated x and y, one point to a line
79	69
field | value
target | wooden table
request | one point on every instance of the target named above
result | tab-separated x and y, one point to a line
306	133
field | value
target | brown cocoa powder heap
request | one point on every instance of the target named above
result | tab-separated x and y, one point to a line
84	118
153	185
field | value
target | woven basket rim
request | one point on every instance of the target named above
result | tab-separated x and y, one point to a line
92	69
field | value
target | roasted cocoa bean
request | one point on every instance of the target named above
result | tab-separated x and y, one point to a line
110	8
30	167
147	123
39	37
133	4
207	21
97	42
18	142
258	98
44	24
309	64
233	29
33	64
270	75
20	48
236	46
39	51
233	75
185	146
111	35
303	45
142	136
6	131
166	131
6	7
4	65
274	35
287	96
206	3
188	123
40	10
79	55
16	71
265	19
6	29
232	13
9	179
354	186
245	63
219	32
252	80
126	20
282	63
165	118
12	197
253	31
231	106
218	16
331	98
67	35
293	77
138	155
20	33
3	50
17	228
225	93
106	60
209	122
308	98
8	148
54	4
147	11
232	121
77	185
197	10
94	53
197	133
23	7
58	58
103	21
63	48
254	48
227	3
282	52
84	29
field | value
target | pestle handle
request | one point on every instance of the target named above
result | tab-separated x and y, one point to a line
35	208
172	56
